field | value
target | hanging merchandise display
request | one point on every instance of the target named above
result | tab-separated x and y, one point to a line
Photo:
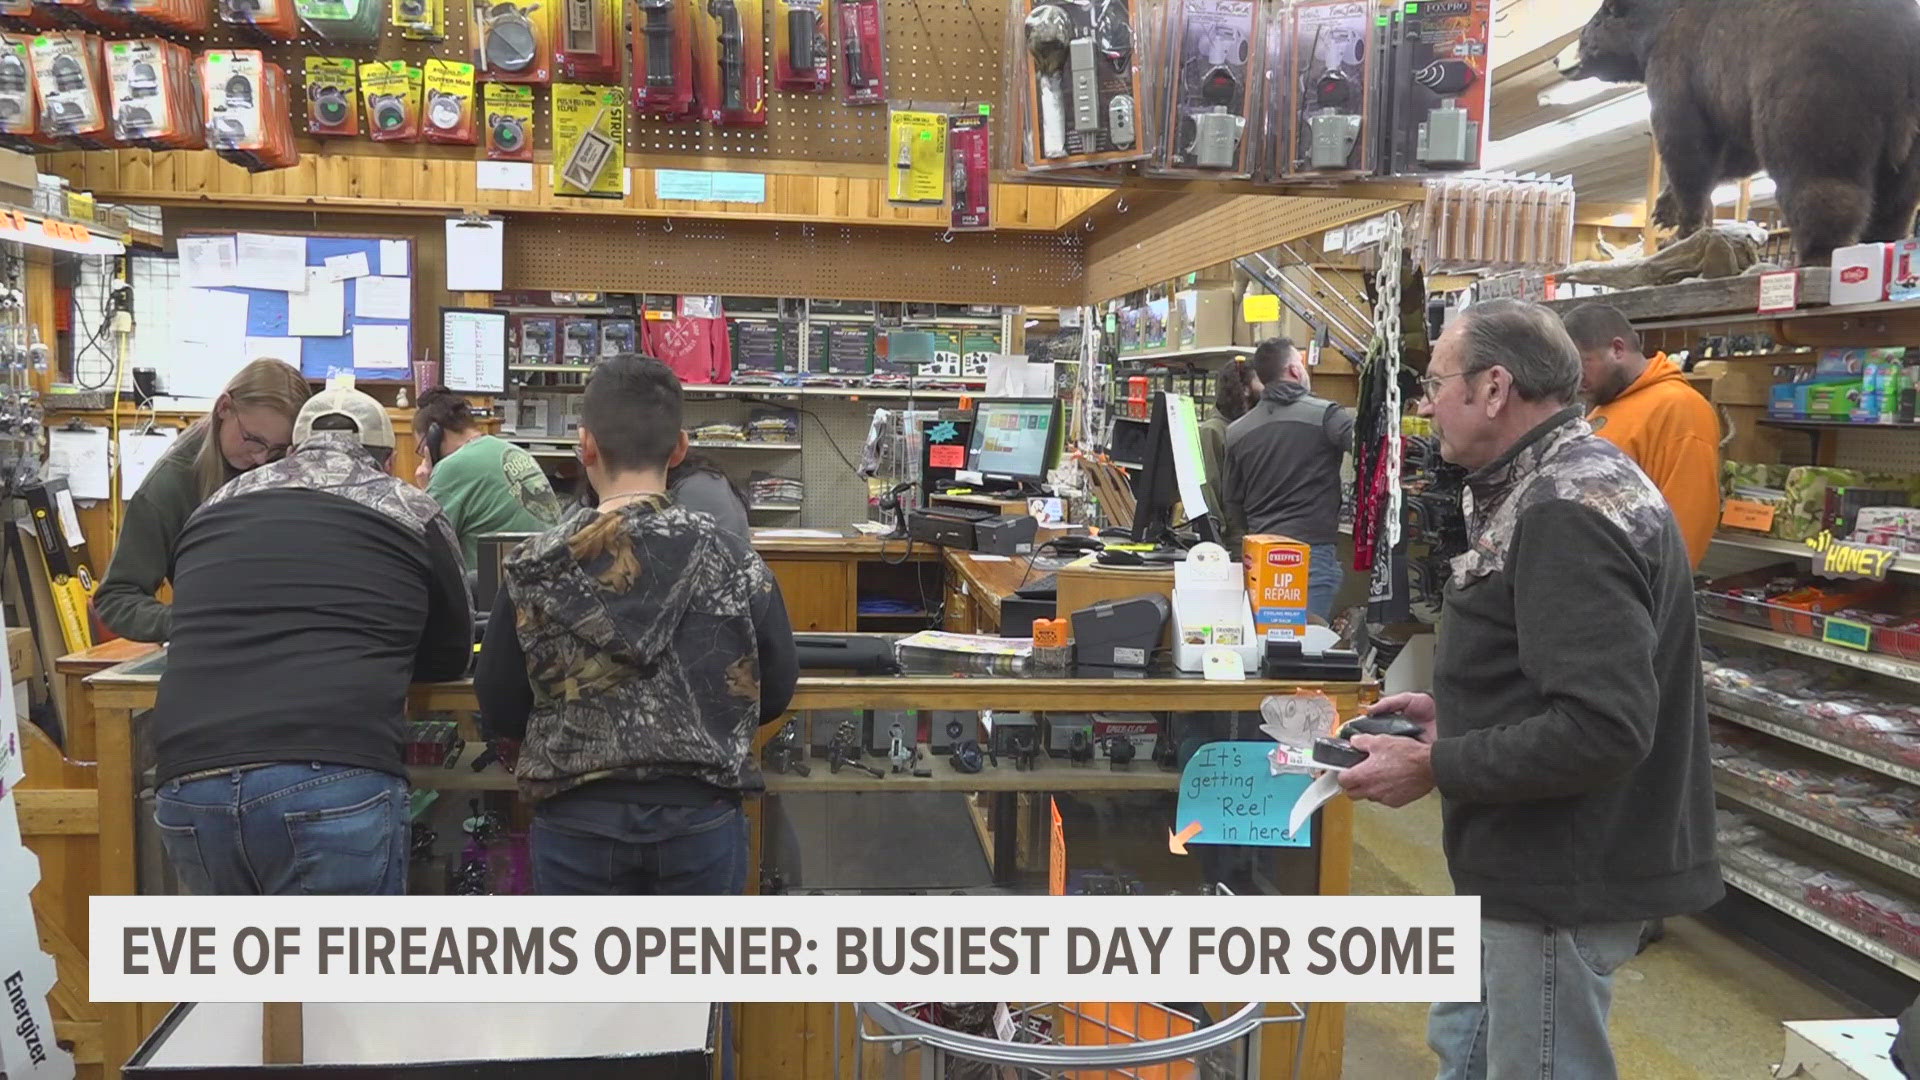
663	57
68	67
248	109
274	19
1077	82
25	14
511	41
509	121
1377	434
89	13
970	148
421	20
152	96
916	156
693	340
863	54
391	89
1498	224
587	42
589	141
343	22
447	107
800	49
333	97
731	61
1210	86
1441	82
186	16
19	98
1332	64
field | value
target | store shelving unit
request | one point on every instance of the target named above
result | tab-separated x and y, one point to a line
1787	810
726	444
1839	931
1806	740
1878	663
776	508
1908	565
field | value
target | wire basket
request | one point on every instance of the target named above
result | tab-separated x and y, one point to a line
1067	1041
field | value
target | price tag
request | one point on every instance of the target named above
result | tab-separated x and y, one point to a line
1742	514
1848	634
1779	292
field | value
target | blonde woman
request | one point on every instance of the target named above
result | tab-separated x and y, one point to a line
251	424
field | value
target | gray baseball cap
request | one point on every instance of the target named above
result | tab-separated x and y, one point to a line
341	399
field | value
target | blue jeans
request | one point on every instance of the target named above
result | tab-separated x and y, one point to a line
286	830
606	847
1544	996
1324	575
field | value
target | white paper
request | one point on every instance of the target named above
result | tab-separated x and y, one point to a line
382	347
69	519
139	451
351	265
207	261
977	557
272	262
383	298
393	258
81	457
796	534
209	342
321	310
285	349
1038	382
474	259
1006	375
503	176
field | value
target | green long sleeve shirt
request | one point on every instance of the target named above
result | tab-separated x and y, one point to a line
490	485
143	552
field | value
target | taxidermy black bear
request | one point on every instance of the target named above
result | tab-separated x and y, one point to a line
1822	94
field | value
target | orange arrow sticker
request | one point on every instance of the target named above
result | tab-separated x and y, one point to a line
1177	842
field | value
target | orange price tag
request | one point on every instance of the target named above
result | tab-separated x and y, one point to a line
1056	854
1743	514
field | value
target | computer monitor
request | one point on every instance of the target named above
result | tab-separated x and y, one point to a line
1127	443
1013	440
1170	474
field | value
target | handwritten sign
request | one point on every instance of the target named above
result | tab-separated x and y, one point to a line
1779	292
947	456
1742	514
1847	559
1231	792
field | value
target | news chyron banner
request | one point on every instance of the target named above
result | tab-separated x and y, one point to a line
785	949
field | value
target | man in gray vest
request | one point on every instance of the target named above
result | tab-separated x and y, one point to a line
1283	468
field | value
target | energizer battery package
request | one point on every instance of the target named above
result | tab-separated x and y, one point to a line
863	55
333	97
663	57
730	61
586	41
1077	82
1332	64
509	123
1441	86
512	42
589	141
802	50
1210	85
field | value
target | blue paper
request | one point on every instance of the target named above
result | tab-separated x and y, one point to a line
682	184
322	357
740	187
1229	790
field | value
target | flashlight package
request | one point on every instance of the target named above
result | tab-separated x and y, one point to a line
589	141
730	61
863	56
69	70
333	97
248	109
512	41
1332	64
663	57
1439	85
800	45
448	107
391	89
19	97
970	151
274	19
586	41
509	122
1077	82
1209	86
343	22
152	96
421	20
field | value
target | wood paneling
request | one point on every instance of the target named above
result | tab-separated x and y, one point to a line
817	593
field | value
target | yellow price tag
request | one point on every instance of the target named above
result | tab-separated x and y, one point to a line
1260	307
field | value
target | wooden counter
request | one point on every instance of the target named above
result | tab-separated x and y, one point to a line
820	578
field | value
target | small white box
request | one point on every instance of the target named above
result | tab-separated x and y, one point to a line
1906	271
1210	609
1861	274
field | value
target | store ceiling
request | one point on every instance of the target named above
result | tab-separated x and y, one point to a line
1611	168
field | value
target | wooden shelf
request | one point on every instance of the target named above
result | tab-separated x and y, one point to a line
1905	564
1188	354
1878	663
1834	425
1798	909
777	508
579	368
724	444
1783	810
1808	741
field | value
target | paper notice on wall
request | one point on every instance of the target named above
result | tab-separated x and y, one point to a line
284	349
383	298
321	309
393	258
207	347
207	261
379	347
351	265
272	262
476	255
82	457
139	452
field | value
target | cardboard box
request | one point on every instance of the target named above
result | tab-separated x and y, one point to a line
18	178
1278	569
1906	271
1206	317
1861	274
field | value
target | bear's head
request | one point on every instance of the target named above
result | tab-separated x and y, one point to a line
1614	44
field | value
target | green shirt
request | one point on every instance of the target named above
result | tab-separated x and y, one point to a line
490	486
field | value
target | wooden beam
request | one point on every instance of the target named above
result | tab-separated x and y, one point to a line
283	1033
1649	242
59	812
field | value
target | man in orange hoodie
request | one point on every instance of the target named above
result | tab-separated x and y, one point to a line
1646	408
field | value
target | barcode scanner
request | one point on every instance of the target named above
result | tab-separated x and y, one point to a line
1340	753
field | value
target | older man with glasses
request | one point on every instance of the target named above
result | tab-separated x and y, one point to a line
1567	729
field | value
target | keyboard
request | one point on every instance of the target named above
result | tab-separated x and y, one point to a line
1040	588
964	513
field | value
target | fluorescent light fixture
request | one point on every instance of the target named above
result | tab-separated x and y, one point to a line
1729	194
1544	141
1575	92
1624	220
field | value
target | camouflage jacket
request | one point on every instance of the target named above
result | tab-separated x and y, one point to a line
643	631
334	462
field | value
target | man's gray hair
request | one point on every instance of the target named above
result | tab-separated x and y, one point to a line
1530	342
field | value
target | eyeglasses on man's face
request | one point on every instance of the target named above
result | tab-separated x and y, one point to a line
1430	385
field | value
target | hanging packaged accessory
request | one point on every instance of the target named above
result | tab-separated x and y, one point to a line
1332	65
731	63
343	22
152	96
663	57
589	141
1211	84
1077	84
917	152
800	50
67	68
392	92
586	44
333	97
970	149
19	102
509	122
448	105
511	41
1442	79
421	20
184	16
248	109
274	19
863	63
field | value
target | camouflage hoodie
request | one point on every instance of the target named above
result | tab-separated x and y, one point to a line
642	630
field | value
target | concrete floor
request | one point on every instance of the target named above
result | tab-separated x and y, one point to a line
1697	1006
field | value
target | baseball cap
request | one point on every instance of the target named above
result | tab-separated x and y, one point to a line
341	399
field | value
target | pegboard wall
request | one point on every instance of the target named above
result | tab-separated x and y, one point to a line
750	258
1879	451
945	52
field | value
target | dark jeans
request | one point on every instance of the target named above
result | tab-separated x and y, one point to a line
288	829
604	847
